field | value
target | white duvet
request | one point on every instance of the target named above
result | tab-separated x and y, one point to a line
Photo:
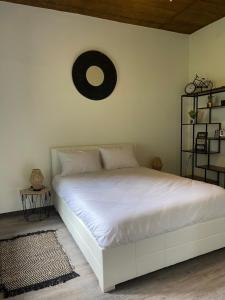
127	205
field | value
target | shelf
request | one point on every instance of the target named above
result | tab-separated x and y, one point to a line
216	139
211	138
200	152
207	92
212	123
212	168
199	103
216	106
199	178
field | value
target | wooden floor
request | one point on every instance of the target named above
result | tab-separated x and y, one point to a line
199	278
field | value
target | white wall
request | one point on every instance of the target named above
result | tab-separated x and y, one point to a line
40	107
206	52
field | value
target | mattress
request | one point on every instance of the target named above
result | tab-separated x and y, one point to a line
126	205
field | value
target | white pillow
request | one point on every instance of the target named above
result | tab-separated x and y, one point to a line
79	161
118	157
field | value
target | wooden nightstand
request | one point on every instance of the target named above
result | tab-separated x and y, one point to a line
36	204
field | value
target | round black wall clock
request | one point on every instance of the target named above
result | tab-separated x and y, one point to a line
94	75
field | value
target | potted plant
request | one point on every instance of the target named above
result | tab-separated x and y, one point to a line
193	115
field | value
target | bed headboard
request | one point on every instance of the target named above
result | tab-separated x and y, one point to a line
54	153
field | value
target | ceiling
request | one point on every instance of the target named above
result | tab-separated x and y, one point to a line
184	16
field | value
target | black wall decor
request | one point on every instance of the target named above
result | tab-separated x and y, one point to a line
79	75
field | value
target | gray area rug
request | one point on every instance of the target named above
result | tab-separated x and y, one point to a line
31	262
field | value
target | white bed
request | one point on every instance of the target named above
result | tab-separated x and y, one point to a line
124	235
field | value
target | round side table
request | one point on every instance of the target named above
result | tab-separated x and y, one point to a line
36	203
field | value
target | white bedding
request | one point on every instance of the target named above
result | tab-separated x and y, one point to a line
127	205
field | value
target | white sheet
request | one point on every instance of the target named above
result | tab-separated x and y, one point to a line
127	205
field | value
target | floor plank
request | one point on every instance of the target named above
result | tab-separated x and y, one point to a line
199	278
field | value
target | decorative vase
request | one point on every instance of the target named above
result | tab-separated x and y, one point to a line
210	101
36	179
157	163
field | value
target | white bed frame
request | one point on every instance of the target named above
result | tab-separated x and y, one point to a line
119	264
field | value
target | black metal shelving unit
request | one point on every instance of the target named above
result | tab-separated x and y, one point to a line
192	150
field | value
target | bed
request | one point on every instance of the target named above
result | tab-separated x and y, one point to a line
122	234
